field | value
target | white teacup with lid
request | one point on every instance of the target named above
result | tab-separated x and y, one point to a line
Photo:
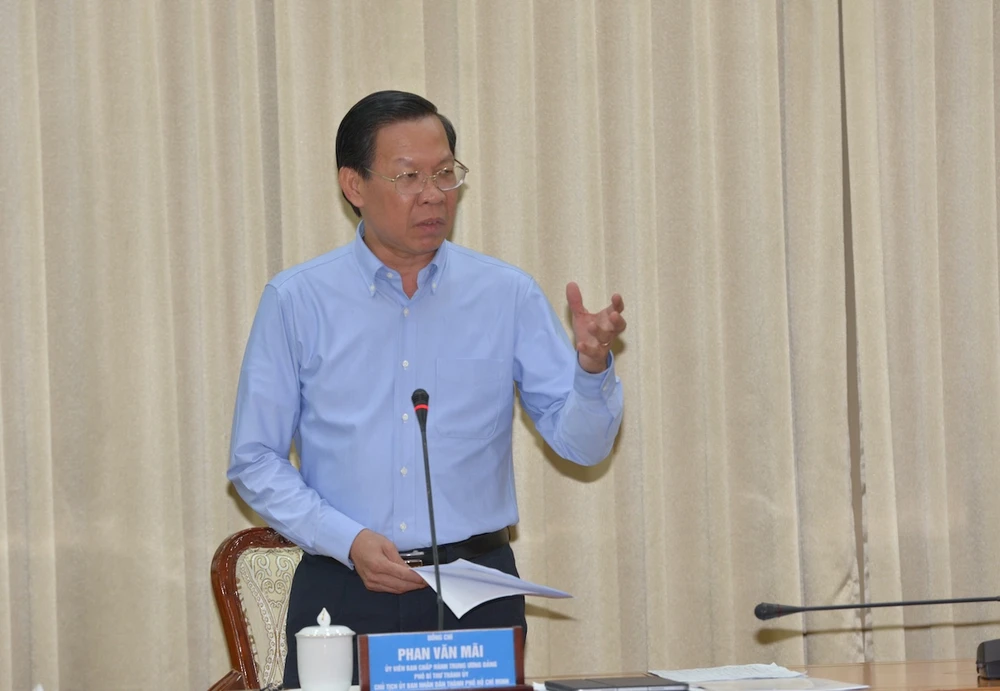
325	655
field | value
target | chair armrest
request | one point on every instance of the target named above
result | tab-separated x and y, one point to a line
233	681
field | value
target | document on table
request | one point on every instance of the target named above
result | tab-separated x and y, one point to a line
729	673
797	684
465	585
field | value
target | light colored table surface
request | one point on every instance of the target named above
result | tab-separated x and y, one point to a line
938	675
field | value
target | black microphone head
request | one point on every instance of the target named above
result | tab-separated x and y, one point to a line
420	397
420	406
769	610
766	610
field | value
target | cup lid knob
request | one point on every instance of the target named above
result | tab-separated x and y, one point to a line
324	629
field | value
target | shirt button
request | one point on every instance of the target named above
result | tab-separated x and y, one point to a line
402	526
372	288
406	311
388	274
403	470
405	417
434	286
406	363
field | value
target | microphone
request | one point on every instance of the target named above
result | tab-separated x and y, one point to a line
420	400
769	610
987	655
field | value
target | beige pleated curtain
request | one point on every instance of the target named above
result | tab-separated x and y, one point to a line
798	201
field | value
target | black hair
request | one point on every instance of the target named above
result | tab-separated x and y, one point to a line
359	128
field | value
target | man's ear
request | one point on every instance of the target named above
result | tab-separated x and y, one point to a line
351	184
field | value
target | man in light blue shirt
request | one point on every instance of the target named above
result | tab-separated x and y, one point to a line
340	343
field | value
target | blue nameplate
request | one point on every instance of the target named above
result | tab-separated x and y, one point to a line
433	660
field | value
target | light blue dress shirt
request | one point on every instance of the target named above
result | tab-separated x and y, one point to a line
334	355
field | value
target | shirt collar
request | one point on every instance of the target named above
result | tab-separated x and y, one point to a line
369	264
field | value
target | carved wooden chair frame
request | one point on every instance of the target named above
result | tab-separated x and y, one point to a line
243	674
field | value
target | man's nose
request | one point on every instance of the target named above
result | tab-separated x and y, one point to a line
431	194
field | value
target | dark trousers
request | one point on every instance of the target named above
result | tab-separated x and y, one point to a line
324	582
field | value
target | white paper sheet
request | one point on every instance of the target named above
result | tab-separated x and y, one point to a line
797	684
465	585
728	673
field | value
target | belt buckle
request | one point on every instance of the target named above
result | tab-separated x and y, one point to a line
413	559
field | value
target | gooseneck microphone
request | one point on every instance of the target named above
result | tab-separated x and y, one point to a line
420	407
768	610
987	655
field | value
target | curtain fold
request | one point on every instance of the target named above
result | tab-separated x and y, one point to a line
816	283
28	561
798	202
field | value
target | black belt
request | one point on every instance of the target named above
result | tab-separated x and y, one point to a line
475	546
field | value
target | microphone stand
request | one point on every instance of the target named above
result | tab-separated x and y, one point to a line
420	407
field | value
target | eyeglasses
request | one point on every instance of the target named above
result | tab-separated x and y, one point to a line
445	179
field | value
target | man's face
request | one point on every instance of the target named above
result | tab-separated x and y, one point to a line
400	229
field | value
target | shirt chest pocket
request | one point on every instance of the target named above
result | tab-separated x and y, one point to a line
466	397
